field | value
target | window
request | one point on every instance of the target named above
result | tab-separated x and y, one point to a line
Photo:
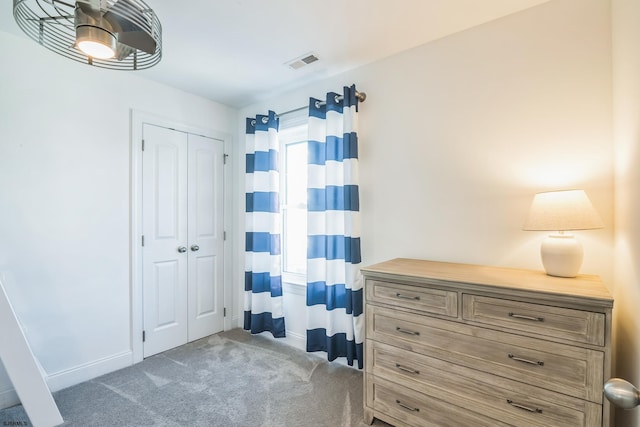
293	197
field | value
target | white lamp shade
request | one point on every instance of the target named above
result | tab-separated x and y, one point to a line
562	210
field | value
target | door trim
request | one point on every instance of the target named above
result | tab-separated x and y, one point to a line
137	119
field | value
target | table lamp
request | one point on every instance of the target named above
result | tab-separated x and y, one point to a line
562	211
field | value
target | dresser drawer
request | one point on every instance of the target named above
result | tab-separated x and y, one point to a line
481	392
569	370
433	301
416	409
564	323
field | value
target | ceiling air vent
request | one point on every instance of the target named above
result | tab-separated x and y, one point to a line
302	61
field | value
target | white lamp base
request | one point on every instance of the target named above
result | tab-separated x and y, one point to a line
561	255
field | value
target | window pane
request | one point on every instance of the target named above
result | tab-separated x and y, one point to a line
294	200
295	240
296	180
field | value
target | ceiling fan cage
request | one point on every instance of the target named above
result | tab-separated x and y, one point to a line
52	24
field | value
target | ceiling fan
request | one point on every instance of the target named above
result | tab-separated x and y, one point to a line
115	34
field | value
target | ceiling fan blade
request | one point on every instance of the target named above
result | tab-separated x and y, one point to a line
136	33
138	40
123	51
91	7
86	14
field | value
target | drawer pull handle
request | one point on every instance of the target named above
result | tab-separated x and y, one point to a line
523	407
522	316
531	362
406	331
405	406
411	297
404	368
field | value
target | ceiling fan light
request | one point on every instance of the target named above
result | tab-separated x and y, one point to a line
95	42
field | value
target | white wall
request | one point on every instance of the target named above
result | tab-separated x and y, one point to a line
457	135
626	113
64	202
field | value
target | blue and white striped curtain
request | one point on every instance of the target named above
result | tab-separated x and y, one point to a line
263	283
335	323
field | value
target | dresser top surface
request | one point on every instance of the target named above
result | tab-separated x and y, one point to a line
584	286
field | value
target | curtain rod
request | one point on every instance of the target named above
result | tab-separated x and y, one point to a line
288	112
360	95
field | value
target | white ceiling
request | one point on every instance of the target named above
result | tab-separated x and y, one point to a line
234	51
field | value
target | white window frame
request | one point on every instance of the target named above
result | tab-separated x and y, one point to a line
293	129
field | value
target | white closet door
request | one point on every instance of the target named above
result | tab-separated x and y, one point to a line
206	239
183	237
165	254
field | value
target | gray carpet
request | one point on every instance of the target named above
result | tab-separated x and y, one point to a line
227	379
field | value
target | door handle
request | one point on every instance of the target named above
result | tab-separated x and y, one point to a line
195	248
622	393
182	249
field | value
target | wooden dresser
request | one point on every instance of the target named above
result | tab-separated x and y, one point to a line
468	345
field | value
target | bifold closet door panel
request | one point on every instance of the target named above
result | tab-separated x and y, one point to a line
165	257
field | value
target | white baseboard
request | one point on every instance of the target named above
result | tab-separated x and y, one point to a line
76	375
88	371
237	322
8	398
295	340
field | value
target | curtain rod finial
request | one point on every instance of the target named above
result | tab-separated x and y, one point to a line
361	96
